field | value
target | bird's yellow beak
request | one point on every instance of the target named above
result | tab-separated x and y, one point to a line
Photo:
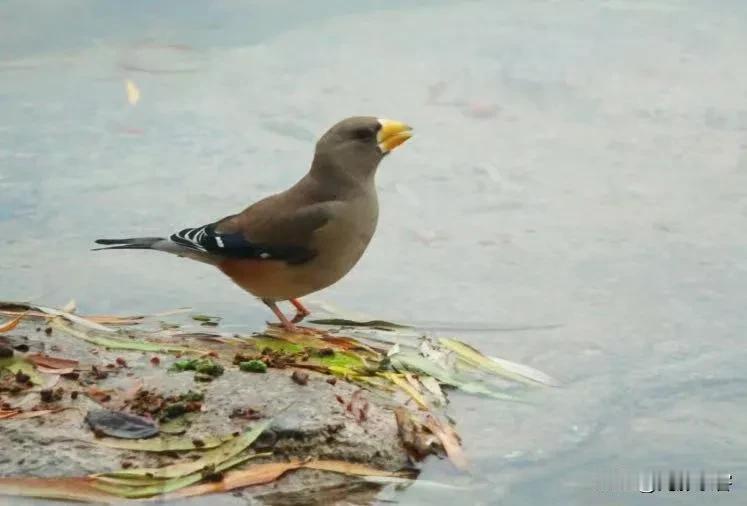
392	134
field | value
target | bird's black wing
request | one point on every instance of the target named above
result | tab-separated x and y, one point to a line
206	239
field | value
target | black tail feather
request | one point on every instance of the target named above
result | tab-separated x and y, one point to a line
131	243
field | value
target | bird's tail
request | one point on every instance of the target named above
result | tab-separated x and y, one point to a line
131	243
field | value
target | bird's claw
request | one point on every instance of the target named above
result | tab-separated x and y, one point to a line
299	317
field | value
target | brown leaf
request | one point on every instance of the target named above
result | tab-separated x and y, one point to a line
449	439
7	327
115	320
22	415
8	413
47	370
265	473
40	359
418	442
350	468
98	395
72	489
254	475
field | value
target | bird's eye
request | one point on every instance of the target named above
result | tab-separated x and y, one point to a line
362	133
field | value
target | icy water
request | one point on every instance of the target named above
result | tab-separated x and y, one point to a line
578	174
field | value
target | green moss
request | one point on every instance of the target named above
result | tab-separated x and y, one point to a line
253	366
209	367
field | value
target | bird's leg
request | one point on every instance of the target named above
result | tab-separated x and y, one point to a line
288	325
284	321
301	311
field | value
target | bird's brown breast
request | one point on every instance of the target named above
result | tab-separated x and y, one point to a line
338	245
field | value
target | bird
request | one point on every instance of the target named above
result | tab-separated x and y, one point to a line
301	240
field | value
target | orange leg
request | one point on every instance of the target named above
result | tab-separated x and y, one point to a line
285	322
289	325
301	311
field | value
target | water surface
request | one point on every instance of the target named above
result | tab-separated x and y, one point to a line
577	164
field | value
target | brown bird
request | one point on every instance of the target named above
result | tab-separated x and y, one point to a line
306	238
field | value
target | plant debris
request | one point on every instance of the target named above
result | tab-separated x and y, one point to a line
39	359
8	326
200	366
253	366
414	371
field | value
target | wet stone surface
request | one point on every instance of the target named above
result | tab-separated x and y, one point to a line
308	420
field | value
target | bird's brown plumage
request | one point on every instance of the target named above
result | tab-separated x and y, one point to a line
326	220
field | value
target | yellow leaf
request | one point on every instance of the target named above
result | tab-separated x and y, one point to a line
449	439
7	327
399	380
133	93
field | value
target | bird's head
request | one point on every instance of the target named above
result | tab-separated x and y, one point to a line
354	147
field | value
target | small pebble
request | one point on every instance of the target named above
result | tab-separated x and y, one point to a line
22	378
74	394
155	361
300	377
5	352
332	381
23	348
47	395
48	331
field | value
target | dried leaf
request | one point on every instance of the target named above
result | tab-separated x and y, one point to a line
121	344
47	370
115	320
266	473
22	415
18	364
449	439
399	380
133	93
255	475
416	441
503	368
70	307
73	318
8	413
164	443
431	384
409	360
71	489
351	468
7	327
42	360
210	458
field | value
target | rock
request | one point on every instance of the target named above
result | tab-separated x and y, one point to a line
308	422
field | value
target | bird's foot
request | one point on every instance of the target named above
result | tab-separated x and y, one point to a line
301	311
299	317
